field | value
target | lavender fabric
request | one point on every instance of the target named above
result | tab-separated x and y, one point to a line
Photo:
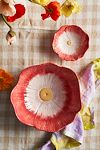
72	134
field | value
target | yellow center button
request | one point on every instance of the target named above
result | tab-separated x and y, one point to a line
69	43
46	94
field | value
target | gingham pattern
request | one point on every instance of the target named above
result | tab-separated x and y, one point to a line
33	46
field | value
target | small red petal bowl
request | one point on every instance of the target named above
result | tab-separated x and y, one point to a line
70	42
46	97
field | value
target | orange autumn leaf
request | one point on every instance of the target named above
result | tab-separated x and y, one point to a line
52	10
6	80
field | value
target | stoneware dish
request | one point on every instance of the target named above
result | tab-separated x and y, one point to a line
70	42
46	97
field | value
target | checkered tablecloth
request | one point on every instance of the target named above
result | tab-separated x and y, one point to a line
33	46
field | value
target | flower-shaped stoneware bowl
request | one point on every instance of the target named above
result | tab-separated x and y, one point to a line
46	96
70	42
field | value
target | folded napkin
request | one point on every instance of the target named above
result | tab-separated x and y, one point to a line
72	134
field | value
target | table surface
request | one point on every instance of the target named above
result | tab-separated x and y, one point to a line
33	46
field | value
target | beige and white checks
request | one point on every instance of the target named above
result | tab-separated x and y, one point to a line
33	46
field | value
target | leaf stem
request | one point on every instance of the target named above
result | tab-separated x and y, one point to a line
4	19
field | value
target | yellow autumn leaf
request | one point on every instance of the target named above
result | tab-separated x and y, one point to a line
96	68
69	7
41	2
